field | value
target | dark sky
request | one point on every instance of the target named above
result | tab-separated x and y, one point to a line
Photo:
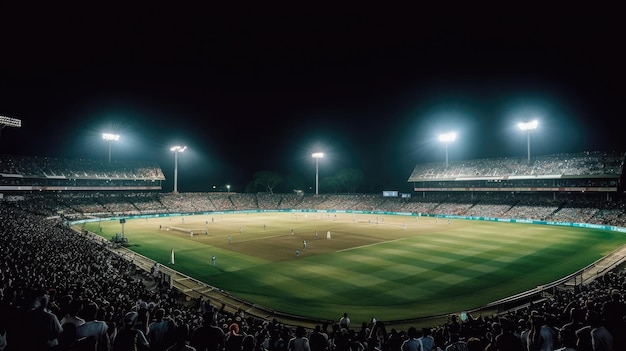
261	89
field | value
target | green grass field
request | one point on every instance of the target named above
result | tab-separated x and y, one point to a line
388	267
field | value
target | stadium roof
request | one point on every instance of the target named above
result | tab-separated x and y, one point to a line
594	164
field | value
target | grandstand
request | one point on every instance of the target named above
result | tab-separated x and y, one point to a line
37	194
23	174
599	172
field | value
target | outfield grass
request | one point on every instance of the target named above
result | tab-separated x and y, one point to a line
388	267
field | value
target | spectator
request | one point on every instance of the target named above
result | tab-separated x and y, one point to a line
344	321
583	339
93	327
233	338
567	339
299	342
75	307
208	337
506	340
42	327
614	315
427	340
161	331
248	343
601	338
181	335
413	342
317	340
395	340
534	340
455	343
68	340
130	338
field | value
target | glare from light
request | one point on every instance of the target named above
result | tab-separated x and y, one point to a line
447	137
526	126
178	148
110	137
317	155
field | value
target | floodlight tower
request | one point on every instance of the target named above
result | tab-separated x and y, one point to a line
317	156
109	138
528	127
228	188
446	139
176	149
9	122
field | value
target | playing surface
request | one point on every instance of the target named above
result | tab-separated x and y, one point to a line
388	267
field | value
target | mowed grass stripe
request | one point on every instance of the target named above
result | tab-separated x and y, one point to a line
430	267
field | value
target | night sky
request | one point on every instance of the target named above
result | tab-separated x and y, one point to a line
261	89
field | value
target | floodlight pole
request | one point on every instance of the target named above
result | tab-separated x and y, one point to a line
446	139
317	156
176	149
528	145
109	138
109	142
528	127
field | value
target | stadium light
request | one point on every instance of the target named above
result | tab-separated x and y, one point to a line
317	156
446	139
228	188
109	138
9	122
176	149
528	127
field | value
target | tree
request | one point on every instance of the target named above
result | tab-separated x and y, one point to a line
350	178
330	184
268	180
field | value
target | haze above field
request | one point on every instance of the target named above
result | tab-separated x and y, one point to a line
259	89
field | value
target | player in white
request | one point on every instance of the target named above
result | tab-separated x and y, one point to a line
328	234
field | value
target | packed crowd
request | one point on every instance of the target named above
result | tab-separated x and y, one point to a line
577	208
44	167
587	163
60	290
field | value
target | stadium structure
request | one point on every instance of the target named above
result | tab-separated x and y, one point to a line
587	172
582	187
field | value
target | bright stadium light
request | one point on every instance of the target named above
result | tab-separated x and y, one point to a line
528	127
317	156
446	139
109	138
176	149
228	188
9	122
